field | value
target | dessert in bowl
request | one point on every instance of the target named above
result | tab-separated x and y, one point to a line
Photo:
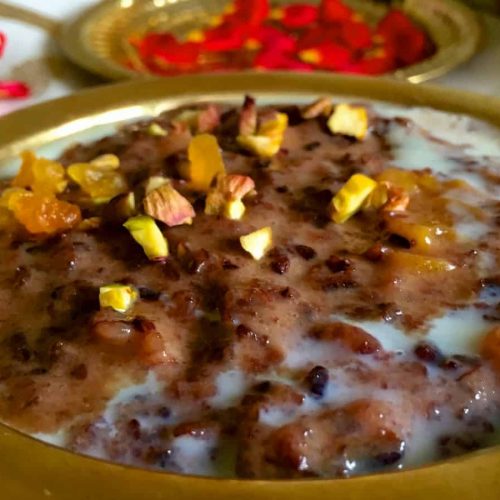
285	291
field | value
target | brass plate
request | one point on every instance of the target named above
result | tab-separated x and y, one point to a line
98	38
32	470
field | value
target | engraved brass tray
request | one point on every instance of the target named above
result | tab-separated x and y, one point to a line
32	470
98	38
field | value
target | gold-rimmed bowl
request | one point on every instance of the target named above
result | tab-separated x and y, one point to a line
32	470
99	38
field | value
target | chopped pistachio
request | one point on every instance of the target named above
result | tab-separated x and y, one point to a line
236	186
247	124
321	106
117	296
155	182
205	161
90	223
397	199
169	206
349	120
214	202
258	242
157	130
267	141
188	117
234	209
225	197
120	208
258	144
199	121
106	162
145	232
351	196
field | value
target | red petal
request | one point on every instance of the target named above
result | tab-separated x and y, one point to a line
274	38
334	11
299	15
333	56
270	59
409	42
13	90
379	62
251	12
153	42
356	35
225	37
179	53
314	37
3	42
395	21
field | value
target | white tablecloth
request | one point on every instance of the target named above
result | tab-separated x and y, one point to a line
33	57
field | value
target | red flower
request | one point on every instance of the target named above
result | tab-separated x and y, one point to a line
408	41
13	90
333	11
296	15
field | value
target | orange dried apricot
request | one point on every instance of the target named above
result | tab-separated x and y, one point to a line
205	161
490	347
43	176
44	214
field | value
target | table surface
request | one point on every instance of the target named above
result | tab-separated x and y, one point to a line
32	56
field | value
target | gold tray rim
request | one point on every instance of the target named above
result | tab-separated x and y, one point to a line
51	471
72	40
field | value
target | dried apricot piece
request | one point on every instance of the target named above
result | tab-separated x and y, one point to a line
205	161
44	214
490	347
43	176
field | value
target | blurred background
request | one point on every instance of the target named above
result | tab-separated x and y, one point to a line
33	68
